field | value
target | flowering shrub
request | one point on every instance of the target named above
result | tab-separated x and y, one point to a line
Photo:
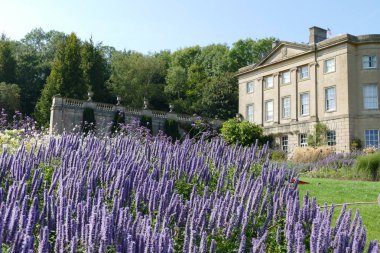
134	194
20	129
10	140
369	150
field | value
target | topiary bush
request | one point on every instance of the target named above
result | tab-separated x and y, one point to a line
118	121
171	129
146	121
369	164
88	120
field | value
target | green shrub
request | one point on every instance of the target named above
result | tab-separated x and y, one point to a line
146	121
370	164
118	120
88	120
356	144
171	129
246	133
278	155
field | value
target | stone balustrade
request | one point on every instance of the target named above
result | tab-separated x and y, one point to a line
66	115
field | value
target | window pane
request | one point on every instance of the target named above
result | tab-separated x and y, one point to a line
286	107
250	113
304	72
250	87
304	103
330	98
303	140
284	143
331	138
285	77
269	110
329	65
372	138
370	96
369	61
268	82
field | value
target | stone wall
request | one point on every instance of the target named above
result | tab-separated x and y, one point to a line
66	116
341	126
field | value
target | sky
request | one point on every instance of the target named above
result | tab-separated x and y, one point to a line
149	26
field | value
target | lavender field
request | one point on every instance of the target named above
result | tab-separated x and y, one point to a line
138	193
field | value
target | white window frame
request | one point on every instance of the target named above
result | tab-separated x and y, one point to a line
369	62
331	137
268	85
250	87
327	68
330	99
269	111
250	114
302	140
302	73
285	77
285	102
285	143
372	137
370	98
304	107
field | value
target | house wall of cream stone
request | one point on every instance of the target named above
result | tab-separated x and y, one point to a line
349	119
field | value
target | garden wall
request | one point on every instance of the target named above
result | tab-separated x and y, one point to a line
67	114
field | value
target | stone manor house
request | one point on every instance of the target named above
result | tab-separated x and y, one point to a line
334	81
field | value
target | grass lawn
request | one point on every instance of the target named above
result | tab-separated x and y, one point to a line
344	191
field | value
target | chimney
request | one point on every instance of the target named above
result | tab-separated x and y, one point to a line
275	43
317	34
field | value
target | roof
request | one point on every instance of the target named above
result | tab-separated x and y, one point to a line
308	48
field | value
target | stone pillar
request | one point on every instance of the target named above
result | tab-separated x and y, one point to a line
56	116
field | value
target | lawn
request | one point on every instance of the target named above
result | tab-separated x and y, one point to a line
344	191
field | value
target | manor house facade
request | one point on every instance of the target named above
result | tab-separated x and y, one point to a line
334	81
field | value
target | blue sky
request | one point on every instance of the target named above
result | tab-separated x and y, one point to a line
154	25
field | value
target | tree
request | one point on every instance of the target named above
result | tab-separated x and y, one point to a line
9	97
220	97
176	80
185	57
248	51
66	77
135	76
45	44
213	59
95	72
7	62
29	77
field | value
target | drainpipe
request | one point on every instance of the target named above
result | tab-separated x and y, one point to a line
316	82
262	101
297	111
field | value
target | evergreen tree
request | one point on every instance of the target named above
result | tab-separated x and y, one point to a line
7	62
66	77
95	72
